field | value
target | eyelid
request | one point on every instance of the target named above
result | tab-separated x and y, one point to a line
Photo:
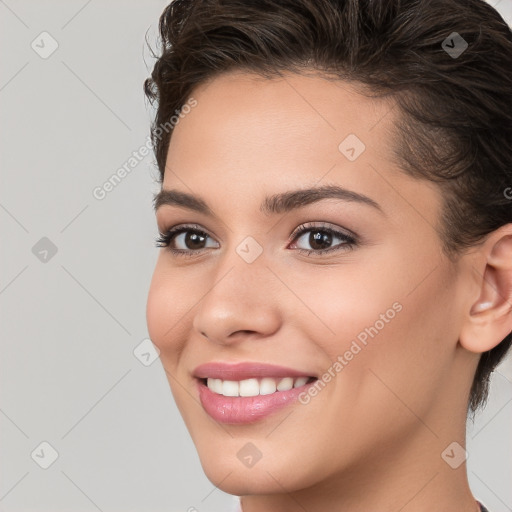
168	235
306	226
347	241
178	229
186	227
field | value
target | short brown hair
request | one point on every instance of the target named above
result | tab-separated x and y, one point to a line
456	122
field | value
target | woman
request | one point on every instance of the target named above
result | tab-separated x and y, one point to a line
334	286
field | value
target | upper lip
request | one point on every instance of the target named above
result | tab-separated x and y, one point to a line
245	370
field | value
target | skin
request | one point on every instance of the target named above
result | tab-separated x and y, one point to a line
372	438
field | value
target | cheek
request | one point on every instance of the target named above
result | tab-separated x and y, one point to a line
166	309
388	320
347	303
156	317
166	316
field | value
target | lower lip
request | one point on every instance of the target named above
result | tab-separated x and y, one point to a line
239	409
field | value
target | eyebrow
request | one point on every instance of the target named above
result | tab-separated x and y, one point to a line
275	204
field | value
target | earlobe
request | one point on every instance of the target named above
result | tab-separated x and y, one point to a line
481	306
489	319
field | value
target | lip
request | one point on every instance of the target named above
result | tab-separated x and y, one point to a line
244	410
245	370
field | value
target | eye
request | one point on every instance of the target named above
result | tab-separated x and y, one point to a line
321	238
185	240
191	240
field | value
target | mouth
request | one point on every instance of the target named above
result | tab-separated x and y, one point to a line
254	386
244	393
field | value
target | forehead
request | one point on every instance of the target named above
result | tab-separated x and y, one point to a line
239	105
251	136
293	117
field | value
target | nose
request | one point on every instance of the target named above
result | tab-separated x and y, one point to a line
241	300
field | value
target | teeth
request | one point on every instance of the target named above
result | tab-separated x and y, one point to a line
249	387
285	384
254	387
300	382
230	388
267	386
215	385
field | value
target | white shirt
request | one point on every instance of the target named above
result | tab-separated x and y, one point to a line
237	505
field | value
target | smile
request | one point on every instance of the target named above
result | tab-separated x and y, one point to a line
255	387
246	392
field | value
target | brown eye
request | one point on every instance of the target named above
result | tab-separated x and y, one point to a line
319	240
185	240
193	240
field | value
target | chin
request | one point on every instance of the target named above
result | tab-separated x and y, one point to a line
245	481
224	466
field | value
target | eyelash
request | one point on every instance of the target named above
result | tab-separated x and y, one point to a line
164	239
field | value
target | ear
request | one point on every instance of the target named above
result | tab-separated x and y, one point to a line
489	319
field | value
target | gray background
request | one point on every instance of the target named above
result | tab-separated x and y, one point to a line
71	320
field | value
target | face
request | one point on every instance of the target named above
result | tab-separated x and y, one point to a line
346	287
